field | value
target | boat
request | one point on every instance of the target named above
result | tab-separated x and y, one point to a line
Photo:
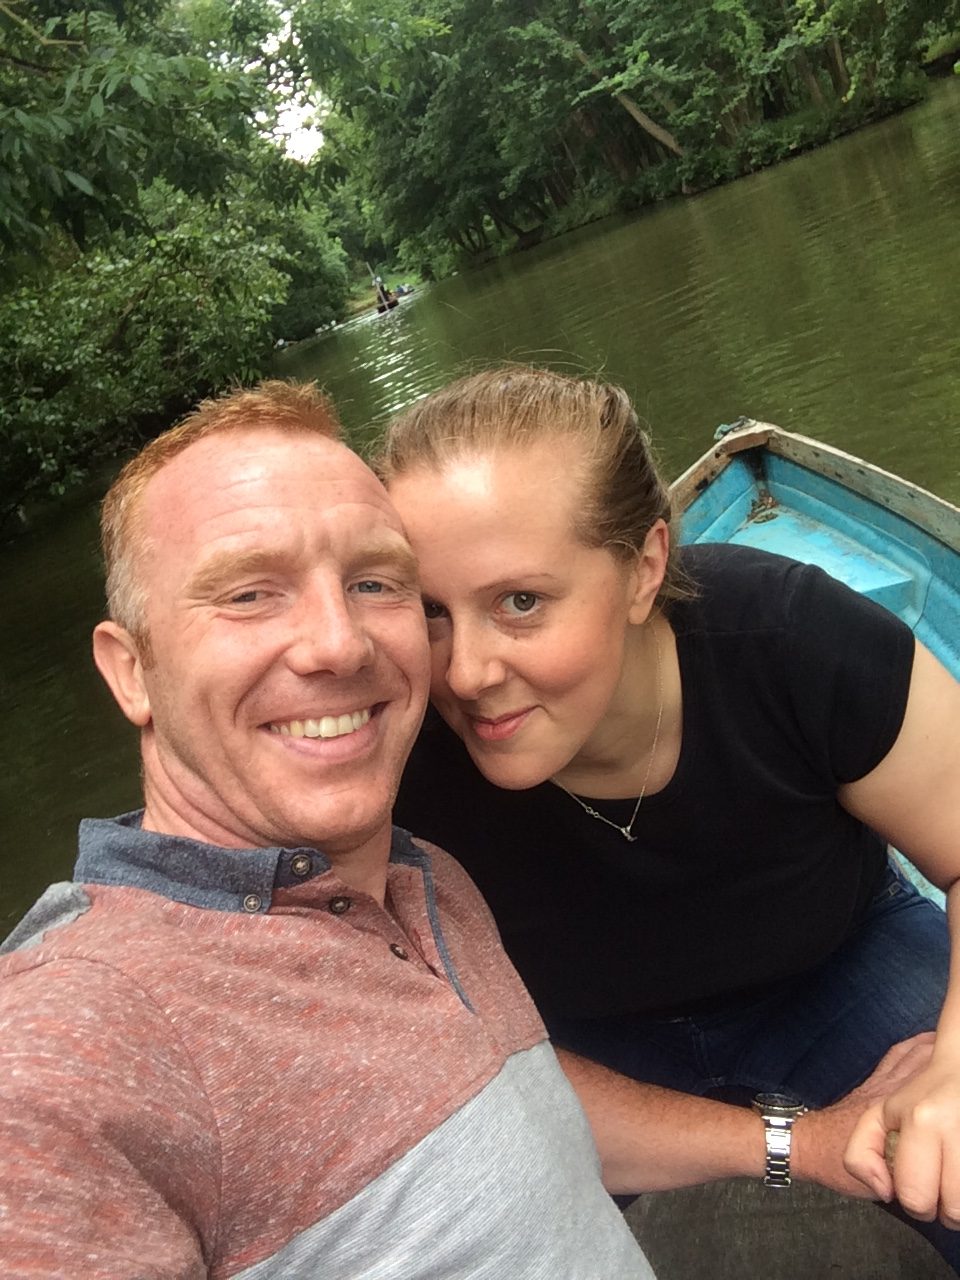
762	486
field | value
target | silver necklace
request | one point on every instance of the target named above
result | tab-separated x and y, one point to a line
627	831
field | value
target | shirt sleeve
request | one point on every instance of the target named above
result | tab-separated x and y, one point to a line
109	1165
849	662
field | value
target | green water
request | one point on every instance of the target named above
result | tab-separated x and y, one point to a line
823	295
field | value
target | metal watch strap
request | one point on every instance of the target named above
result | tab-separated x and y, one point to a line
778	1121
779	1138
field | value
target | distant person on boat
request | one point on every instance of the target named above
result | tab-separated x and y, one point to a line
386	299
262	1032
674	777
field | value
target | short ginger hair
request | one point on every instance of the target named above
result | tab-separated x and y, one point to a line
288	407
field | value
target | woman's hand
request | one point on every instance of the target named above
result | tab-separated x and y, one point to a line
820	1138
924	1174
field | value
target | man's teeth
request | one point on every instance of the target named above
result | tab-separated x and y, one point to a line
325	727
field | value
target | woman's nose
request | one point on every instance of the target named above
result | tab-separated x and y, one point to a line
474	665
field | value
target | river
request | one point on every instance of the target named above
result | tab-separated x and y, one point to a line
822	294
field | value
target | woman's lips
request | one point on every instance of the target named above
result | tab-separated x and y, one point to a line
501	728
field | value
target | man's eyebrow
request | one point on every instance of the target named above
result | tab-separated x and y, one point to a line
388	551
225	566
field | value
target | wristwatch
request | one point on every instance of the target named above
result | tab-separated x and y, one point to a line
778	1111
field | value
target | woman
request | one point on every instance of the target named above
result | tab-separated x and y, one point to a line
667	775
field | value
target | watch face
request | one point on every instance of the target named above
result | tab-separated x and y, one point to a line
777	1102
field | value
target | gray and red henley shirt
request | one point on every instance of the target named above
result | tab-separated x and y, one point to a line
220	1063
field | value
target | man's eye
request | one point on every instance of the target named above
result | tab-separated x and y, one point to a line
369	587
519	602
433	610
246	597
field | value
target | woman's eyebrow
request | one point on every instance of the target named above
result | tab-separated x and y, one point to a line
529	578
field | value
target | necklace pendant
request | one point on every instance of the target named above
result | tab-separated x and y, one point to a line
628	835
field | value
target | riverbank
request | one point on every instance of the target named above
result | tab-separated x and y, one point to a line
762	147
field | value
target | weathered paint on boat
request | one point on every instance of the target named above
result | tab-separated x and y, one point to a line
765	487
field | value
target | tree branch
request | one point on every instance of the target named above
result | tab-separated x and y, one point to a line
32	31
30	66
657	131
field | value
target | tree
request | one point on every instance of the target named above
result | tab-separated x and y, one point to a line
128	335
93	108
152	229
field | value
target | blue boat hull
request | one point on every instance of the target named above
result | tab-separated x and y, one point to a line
877	533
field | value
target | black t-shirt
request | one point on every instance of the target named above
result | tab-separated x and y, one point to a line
746	870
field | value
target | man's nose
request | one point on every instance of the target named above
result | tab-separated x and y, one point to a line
328	634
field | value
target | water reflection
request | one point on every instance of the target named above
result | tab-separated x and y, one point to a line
816	294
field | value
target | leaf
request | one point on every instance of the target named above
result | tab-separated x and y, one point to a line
79	181
141	88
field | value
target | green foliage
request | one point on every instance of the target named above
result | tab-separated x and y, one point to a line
318	272
154	235
465	125
92	110
940	45
126	334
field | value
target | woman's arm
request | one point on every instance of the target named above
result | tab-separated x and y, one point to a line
913	799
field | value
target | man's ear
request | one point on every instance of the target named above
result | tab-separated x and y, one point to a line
118	660
651	565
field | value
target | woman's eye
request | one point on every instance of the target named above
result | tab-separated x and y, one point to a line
519	602
432	610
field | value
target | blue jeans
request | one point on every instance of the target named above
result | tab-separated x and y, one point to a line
816	1036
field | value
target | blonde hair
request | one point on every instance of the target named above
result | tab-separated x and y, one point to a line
516	405
293	408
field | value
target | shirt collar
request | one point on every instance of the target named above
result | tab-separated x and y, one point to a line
117	851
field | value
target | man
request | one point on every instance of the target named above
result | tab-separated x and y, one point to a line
262	1034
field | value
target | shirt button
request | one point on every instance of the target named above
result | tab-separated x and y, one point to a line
339	905
252	903
398	951
301	864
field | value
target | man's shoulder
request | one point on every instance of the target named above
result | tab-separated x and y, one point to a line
58	906
108	934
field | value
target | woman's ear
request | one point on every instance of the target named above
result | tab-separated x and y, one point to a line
651	565
119	661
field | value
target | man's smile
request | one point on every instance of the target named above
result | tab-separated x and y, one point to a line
322	726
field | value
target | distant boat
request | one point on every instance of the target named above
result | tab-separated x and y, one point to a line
761	486
387	299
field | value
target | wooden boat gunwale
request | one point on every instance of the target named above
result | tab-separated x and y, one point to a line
935	515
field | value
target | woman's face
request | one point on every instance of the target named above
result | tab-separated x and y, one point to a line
533	635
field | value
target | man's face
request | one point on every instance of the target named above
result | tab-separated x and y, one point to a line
289	664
